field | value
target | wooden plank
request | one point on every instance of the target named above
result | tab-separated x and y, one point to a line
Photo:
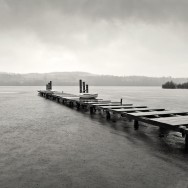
135	109
173	112
96	102
173	121
107	104
118	107
70	97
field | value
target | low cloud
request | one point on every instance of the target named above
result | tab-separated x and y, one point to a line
122	37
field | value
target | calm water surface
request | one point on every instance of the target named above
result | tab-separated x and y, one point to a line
44	144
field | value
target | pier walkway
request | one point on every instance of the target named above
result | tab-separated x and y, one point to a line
165	119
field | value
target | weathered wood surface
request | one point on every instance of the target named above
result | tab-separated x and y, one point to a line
172	112
121	107
97	102
178	120
136	109
173	121
106	104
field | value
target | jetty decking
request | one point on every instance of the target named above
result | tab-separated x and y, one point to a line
169	120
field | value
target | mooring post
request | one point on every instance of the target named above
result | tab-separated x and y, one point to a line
136	124
50	85
80	84
121	101
87	88
84	87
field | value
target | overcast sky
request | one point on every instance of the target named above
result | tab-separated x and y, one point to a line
118	37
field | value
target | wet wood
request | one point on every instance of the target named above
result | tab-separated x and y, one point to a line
165	119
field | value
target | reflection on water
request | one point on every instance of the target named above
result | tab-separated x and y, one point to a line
45	144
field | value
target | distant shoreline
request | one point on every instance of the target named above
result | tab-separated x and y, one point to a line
71	79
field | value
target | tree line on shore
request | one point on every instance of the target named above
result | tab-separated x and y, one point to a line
72	78
172	85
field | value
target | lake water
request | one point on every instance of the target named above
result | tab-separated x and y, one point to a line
47	145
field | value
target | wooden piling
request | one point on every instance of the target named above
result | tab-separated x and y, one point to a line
50	85
78	106
136	125
186	141
91	110
80	84
84	87
87	88
162	132
108	116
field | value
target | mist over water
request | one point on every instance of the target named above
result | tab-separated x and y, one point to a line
45	144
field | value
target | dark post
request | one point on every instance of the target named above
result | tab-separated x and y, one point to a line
91	110
80	84
186	141
87	88
84	87
50	85
108	115
136	125
121	101
46	86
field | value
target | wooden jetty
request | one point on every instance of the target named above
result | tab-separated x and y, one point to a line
165	119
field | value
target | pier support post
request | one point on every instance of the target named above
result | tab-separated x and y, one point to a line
80	84
50	85
162	132
91	110
71	104
121	101
87	88
186	141
84	87
78	106
108	116
136	125
114	117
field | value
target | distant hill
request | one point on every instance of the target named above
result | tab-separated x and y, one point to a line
72	78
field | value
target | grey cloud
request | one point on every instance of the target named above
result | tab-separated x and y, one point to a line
21	11
59	20
94	31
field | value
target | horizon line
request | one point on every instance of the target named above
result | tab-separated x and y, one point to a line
89	73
